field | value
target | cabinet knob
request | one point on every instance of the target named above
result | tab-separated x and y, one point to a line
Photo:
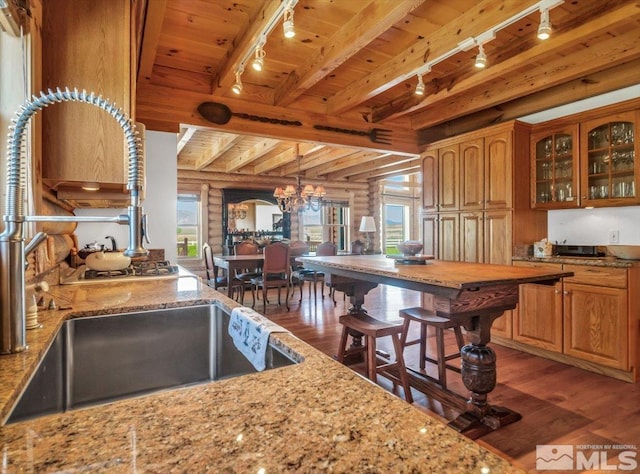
557	292
565	292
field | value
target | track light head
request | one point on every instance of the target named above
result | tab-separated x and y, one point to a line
258	61
481	58
236	88
420	86
287	25
544	30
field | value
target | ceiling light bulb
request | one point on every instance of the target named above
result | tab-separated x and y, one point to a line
544	30
236	88
420	86
481	58
289	31
258	61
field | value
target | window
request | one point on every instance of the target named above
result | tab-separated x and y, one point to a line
400	195
188	236
331	223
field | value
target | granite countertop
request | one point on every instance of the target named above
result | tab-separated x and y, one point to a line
317	415
589	261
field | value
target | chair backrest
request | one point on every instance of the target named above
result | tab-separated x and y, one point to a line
208	260
298	247
277	259
326	248
357	247
246	247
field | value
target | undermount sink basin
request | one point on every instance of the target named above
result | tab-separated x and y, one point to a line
99	359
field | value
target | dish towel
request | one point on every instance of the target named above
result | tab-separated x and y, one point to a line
250	333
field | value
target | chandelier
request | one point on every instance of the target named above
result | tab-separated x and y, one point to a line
238	211
297	199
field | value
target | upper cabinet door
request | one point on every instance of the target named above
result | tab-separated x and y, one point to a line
430	180
609	172
555	168
498	171
472	175
449	178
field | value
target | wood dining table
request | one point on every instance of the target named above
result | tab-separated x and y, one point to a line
233	263
472	294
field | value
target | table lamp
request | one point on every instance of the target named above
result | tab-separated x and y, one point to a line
368	225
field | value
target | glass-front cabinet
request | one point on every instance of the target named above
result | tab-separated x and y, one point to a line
609	172
555	168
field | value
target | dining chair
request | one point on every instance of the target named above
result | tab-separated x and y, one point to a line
220	281
276	273
297	248
313	276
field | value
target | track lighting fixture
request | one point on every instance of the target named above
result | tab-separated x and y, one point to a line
544	30
258	60
287	25
236	88
481	58
420	86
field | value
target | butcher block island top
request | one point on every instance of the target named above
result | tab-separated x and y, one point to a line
314	416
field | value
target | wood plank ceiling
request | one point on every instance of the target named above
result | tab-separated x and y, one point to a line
351	67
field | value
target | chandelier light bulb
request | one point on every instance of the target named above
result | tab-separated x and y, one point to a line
258	61
287	25
481	58
236	88
544	30
420	86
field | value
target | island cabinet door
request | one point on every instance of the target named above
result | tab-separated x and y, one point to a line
538	321
595	325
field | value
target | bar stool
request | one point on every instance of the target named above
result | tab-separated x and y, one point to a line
428	318
371	329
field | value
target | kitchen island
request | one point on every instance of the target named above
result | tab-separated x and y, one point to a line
313	416
471	295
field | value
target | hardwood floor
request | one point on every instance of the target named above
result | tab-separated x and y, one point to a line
560	404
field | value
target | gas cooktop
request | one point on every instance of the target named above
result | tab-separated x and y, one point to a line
135	271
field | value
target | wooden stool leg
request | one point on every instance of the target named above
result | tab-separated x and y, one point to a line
402	369
342	348
371	359
442	376
405	331
423	345
459	339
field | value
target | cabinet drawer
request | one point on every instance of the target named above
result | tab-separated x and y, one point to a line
599	276
548	266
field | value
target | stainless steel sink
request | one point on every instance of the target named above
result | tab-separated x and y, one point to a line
99	359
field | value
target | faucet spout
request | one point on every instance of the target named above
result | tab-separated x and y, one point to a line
12	239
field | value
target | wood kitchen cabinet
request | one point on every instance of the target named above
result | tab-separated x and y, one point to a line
481	209
590	320
555	168
88	47
609	172
587	159
538	319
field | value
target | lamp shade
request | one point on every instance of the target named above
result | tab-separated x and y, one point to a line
367	224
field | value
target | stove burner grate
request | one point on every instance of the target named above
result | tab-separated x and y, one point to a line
139	269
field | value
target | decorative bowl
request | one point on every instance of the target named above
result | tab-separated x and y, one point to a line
625	252
410	247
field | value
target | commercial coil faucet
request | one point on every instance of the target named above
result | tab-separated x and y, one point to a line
13	253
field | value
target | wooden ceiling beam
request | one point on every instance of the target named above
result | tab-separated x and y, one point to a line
217	149
356	159
314	159
608	80
371	21
361	168
163	105
476	20
406	167
465	97
252	154
152	28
